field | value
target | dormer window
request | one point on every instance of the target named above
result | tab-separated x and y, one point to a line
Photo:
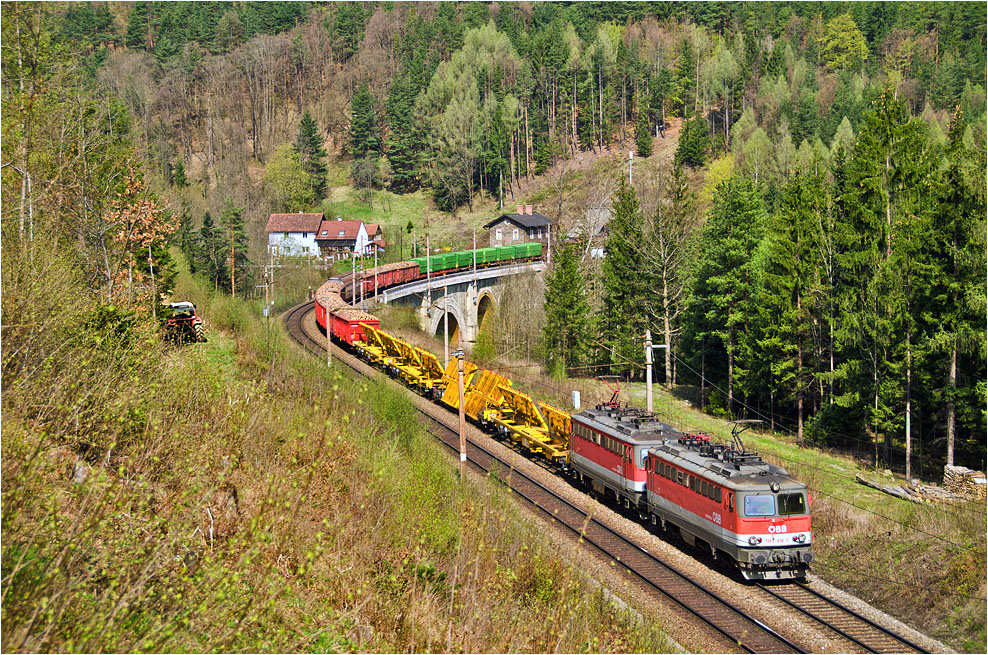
324	233
342	233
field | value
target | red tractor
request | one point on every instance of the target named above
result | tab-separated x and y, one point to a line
185	325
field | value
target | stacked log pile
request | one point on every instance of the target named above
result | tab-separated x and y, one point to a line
917	493
965	482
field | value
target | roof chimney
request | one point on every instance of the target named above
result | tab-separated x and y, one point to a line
528	209
521	210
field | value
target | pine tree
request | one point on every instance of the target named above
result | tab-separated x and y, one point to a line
235	242
186	240
693	141
403	135
566	335
886	188
669	245
626	283
308	145
723	285
178	175
142	25
364	139
349	19
210	252
643	133
363	124
957	291
789	289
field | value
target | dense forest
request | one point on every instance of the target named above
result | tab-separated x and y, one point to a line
832	281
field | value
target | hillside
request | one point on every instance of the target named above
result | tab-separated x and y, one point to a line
236	495
805	235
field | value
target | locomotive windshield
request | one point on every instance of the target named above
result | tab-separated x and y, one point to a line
759	506
790	504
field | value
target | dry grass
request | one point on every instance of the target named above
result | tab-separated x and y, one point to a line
235	495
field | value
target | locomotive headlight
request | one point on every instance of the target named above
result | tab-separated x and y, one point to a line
775	487
799	538
754	541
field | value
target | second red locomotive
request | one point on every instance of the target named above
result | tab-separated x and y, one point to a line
719	497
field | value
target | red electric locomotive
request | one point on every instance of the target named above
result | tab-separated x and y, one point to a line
608	445
718	497
731	501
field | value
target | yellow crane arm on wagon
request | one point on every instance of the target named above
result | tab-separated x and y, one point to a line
521	419
480	394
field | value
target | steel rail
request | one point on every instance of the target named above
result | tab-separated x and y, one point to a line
870	627
743	635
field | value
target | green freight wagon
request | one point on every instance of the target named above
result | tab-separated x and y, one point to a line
533	250
518	251
464	258
486	256
505	253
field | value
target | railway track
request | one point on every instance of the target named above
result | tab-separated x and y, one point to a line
849	624
747	632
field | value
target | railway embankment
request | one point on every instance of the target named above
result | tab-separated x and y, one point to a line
236	495
923	564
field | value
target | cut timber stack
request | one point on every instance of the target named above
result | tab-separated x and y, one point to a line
917	493
964	481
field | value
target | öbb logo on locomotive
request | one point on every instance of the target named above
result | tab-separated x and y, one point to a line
719	497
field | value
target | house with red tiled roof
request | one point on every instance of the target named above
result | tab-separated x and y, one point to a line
339	237
376	236
294	234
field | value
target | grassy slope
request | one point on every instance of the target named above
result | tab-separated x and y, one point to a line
237	496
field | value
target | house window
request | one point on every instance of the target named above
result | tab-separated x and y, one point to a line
514	235
497	235
305	235
285	235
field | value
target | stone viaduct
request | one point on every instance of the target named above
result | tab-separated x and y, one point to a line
465	297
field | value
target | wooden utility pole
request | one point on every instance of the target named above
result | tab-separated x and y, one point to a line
271	273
